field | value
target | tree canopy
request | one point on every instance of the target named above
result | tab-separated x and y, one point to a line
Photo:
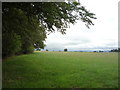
26	24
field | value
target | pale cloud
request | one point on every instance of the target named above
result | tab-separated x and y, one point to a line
103	35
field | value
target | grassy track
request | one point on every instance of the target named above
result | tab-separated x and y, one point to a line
61	69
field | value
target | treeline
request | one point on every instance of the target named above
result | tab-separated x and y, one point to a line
115	50
25	25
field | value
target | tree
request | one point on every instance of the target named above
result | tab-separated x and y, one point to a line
65	50
115	50
53	14
32	21
101	51
16	22
38	49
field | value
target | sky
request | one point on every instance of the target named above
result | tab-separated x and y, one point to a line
102	36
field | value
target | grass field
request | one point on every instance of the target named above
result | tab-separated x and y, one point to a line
61	70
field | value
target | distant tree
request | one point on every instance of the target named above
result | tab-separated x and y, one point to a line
100	51
115	50
46	49
118	49
65	50
38	49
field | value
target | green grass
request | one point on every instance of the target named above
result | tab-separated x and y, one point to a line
61	70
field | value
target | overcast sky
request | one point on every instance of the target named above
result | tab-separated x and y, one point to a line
102	36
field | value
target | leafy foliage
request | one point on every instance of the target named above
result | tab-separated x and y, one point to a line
12	44
32	21
16	22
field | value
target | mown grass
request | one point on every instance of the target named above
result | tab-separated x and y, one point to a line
61	70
